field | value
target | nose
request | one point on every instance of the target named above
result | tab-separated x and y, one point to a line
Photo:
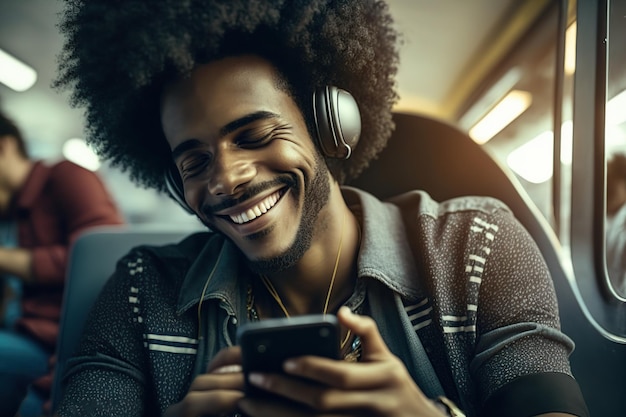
230	170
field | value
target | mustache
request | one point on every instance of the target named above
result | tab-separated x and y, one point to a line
288	180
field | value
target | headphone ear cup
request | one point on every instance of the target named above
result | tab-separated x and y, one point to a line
337	121
175	189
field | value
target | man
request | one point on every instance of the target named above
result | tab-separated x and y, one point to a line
43	208
232	100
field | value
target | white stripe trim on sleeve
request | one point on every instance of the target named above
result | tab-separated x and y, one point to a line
172	349
168	338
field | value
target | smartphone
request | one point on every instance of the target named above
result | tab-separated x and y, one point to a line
266	344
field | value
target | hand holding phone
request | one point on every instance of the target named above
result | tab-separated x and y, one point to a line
266	344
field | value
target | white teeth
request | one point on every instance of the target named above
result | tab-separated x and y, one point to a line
260	209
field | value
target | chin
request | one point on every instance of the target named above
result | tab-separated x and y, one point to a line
286	259
267	266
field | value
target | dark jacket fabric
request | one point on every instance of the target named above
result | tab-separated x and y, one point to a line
458	287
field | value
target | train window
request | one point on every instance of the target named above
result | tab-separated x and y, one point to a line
545	80
598	82
512	113
615	150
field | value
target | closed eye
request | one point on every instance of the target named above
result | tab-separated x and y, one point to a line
257	137
195	164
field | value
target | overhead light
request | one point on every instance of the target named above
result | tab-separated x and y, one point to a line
507	110
491	97
533	160
77	151
15	74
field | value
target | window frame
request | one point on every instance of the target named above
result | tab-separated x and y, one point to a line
605	308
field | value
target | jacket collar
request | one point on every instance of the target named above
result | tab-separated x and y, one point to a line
220	267
385	255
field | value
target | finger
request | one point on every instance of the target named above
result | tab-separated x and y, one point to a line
374	347
225	358
323	399
264	407
344	375
196	404
218	381
375	369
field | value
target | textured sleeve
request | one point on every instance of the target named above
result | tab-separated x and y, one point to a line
107	375
519	343
82	202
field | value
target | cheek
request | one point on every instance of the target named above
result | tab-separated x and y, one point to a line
193	195
290	155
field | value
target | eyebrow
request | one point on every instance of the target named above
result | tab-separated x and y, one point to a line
184	147
225	130
247	119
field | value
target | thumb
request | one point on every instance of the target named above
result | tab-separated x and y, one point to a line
373	345
227	360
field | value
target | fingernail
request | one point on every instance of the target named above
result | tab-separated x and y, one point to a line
228	369
290	366
346	310
257	379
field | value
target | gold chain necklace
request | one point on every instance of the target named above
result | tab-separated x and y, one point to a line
272	290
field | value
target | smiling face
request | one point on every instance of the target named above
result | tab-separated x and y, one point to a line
249	167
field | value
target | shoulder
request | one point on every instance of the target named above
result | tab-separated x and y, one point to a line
164	257
460	210
157	272
68	179
68	171
472	224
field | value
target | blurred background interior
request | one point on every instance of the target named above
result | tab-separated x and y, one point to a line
485	66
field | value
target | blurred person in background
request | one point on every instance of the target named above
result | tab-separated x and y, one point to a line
43	208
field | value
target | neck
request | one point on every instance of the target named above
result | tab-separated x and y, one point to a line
14	173
304	288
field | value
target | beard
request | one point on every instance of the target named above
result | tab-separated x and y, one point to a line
316	197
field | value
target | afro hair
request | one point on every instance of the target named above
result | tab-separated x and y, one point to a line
118	55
